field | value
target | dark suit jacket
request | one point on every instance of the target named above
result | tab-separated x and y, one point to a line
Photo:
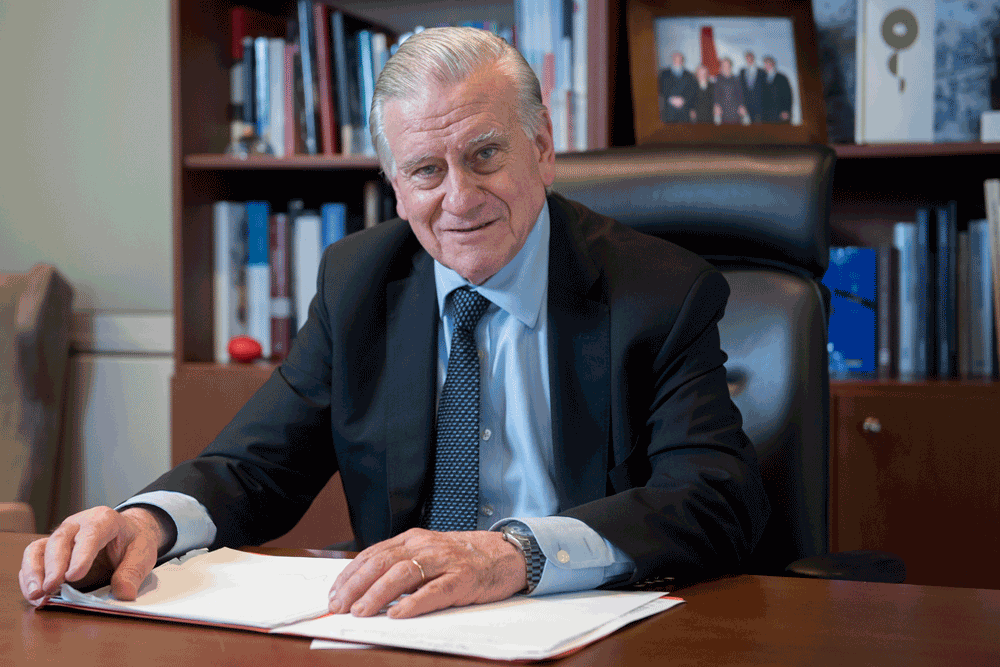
777	97
649	448
752	94
682	86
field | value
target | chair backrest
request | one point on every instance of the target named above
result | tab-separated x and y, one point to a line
35	309
761	214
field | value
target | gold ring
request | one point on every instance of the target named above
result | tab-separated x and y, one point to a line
423	578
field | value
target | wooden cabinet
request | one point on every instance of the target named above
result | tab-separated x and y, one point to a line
915	469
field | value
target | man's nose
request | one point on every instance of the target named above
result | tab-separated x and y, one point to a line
463	193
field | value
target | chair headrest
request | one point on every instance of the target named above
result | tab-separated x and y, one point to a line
730	204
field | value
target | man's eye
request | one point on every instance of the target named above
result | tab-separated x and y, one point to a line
487	153
425	171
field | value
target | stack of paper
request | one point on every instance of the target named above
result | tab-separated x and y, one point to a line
289	596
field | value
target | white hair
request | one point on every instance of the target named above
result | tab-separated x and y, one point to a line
448	56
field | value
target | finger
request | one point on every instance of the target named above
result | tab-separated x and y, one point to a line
441	593
367	568
32	571
403	577
101	525
136	564
57	555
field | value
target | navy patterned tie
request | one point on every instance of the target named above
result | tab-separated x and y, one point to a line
455	495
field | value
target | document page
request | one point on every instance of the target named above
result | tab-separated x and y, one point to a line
225	587
521	628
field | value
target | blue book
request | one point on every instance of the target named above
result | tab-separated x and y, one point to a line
366	81
904	238
946	312
924	280
259	274
334	216
852	339
981	341
262	89
307	55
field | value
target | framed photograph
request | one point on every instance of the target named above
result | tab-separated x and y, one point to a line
725	71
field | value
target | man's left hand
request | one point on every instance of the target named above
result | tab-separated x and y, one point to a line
454	569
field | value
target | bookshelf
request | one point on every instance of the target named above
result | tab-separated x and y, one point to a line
874	186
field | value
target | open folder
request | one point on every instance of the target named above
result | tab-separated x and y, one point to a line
288	595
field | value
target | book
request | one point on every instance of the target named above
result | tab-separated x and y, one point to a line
963	305
306	252
851	279
324	76
578	114
276	75
348	88
992	189
887	309
904	240
307	56
945	310
292	133
895	71
262	91
366	84
230	250
334	221
981	343
249	86
924	286
259	275
289	595
281	292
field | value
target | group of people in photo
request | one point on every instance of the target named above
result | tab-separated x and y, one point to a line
755	95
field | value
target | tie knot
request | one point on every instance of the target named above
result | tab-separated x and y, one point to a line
469	307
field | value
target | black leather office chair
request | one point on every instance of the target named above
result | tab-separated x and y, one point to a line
761	214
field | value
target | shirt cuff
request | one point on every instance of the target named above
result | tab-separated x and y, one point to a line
195	528
577	558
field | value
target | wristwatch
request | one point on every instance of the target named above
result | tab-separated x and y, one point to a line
534	559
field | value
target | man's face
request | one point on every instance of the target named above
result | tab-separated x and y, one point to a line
768	65
678	60
726	67
750	59
468	179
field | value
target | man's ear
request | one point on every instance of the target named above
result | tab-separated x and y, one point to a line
546	150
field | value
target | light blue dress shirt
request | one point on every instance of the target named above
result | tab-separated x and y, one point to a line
516	466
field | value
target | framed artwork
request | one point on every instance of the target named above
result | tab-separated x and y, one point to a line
725	71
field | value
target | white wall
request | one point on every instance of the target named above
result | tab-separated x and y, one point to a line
85	185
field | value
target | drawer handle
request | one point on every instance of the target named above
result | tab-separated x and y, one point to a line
871	425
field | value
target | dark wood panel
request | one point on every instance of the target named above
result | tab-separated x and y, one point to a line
205	397
922	481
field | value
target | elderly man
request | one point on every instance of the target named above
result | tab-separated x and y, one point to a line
499	353
676	91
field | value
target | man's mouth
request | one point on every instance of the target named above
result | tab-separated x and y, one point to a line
474	228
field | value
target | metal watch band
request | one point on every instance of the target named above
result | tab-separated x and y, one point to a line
534	559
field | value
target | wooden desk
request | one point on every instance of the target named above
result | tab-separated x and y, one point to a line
741	620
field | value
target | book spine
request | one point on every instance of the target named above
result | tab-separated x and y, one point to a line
276	58
338	36
324	73
334	217
945	316
963	306
306	252
249	84
992	190
851	279
887	318
366	83
226	298
981	300
580	46
925	296
291	121
281	304
307	52
259	275
262	88
905	242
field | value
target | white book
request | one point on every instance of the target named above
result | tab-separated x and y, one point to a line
895	71
306	252
579	112
230	245
276	138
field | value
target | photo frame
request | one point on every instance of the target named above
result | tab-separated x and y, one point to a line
682	93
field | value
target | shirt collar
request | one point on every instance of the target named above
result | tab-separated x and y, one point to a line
518	287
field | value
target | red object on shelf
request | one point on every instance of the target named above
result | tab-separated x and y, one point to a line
245	349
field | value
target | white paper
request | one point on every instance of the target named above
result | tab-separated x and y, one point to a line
520	628
227	587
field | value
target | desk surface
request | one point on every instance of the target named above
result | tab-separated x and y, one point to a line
743	620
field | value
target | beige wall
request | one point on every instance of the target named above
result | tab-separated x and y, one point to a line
85	147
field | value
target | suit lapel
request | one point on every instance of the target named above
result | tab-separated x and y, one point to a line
410	375
579	362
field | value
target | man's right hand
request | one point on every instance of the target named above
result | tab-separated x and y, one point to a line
89	548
